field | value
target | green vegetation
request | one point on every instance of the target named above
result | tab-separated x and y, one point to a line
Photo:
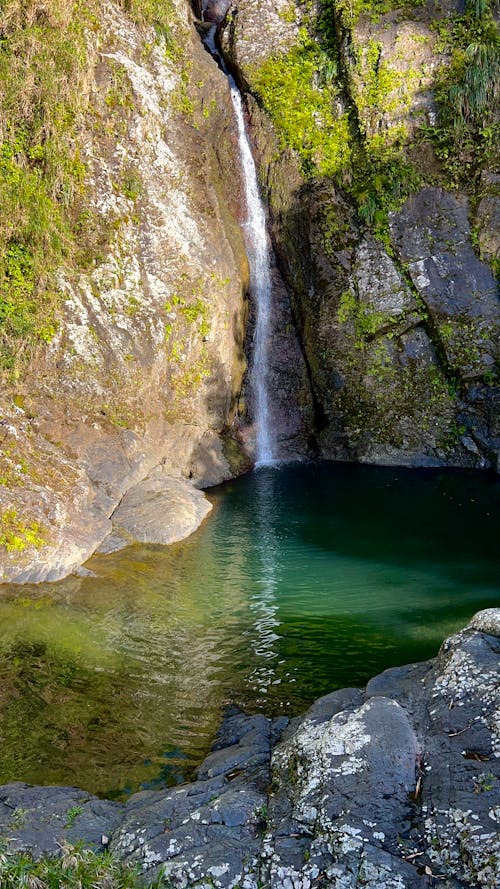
343	112
367	322
191	307
484	782
302	106
351	10
467	90
131	184
416	391
45	226
158	13
189	324
71	815
15	536
44	74
461	338
302	91
163	16
74	869
383	180
119	95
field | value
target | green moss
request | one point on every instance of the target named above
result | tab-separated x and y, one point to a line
187	382
119	96
131	184
158	13
181	100
383	179
302	108
461	339
133	306
289	13
189	313
334	227
380	81
15	469
414	391
366	321
16	536
467	132
43	71
45	226
301	89
351	10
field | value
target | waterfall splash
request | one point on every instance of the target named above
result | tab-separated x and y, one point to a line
260	273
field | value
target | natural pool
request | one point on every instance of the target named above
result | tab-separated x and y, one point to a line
305	578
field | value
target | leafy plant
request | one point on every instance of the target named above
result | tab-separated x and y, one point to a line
467	90
72	814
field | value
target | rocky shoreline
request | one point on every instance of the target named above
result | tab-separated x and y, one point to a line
392	786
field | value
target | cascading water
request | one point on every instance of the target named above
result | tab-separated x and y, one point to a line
260	273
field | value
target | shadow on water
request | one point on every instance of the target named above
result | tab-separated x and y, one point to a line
305	578
398	516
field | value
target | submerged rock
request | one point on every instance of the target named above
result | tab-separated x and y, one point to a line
392	787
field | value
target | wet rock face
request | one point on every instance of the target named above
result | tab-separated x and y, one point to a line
147	364
432	236
402	349
392	787
400	335
214	11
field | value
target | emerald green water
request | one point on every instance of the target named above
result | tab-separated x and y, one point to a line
304	579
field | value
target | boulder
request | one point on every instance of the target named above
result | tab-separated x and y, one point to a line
394	786
160	509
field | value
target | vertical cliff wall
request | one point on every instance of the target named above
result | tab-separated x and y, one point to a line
142	362
374	124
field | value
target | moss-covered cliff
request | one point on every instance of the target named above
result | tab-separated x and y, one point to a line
376	125
122	268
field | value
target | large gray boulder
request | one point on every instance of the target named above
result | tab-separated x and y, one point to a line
160	509
393	787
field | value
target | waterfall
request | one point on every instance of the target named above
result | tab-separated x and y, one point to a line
256	243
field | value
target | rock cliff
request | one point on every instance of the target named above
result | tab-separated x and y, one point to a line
379	164
143	363
390	787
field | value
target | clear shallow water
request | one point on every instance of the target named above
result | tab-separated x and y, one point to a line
304	579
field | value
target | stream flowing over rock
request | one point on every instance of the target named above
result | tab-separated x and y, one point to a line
391	787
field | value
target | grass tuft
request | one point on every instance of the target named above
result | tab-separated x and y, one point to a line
73	869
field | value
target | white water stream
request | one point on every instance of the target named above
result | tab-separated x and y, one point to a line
256	243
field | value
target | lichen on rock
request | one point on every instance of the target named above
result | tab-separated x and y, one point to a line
391	787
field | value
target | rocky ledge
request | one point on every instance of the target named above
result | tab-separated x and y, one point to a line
391	787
